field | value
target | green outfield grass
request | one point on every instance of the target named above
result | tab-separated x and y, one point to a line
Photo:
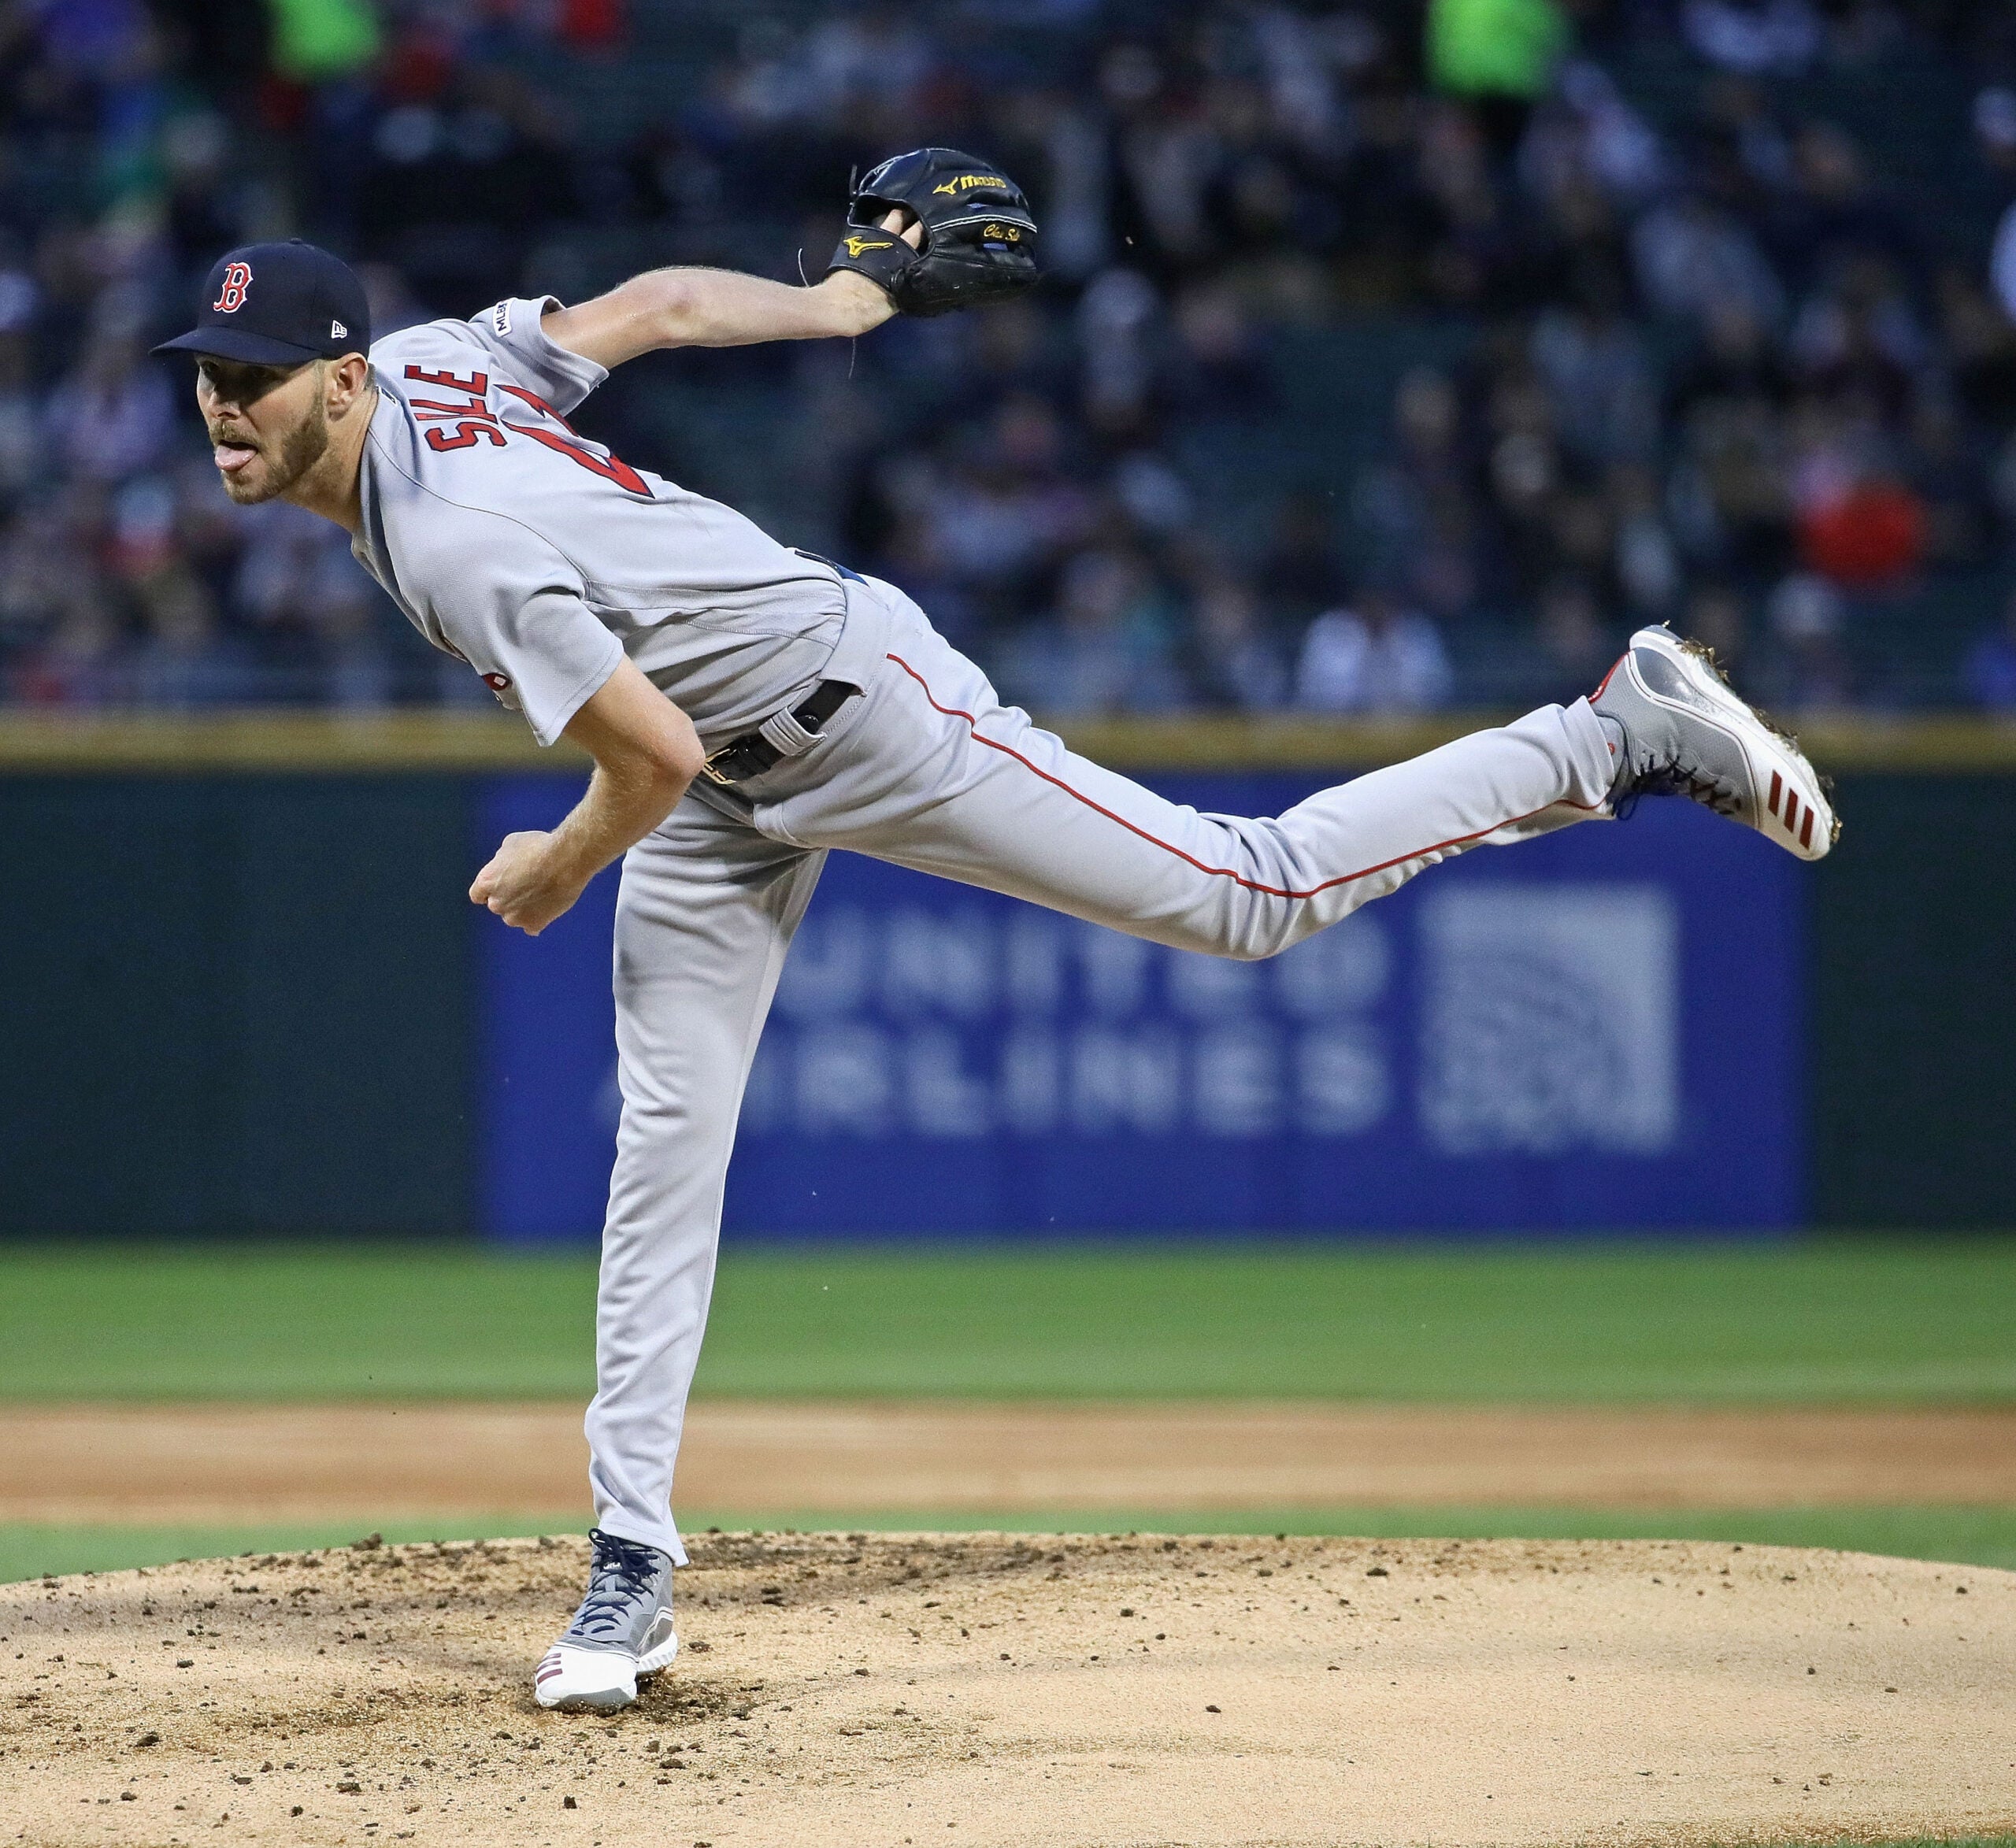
1971	1536
1821	1321
1825	1321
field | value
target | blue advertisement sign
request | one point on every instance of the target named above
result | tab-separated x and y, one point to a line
1600	1030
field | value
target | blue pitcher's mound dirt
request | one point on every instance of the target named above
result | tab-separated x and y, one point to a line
984	1690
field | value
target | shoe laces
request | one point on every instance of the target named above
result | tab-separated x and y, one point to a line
622	1572
1676	777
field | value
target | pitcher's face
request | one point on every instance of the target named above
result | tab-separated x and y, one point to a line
269	423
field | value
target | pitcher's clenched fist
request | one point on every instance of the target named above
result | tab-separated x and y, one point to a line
521	884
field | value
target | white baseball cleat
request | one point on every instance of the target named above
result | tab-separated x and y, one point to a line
623	1630
1678	728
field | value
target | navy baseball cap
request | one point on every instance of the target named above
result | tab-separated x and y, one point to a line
278	304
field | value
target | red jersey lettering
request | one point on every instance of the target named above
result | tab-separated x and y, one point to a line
466	432
476	384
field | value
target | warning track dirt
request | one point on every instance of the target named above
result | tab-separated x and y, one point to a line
1012	1690
374	1463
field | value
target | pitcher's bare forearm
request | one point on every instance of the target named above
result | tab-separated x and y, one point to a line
646	753
720	308
714	308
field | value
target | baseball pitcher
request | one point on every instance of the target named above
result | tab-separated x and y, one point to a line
750	707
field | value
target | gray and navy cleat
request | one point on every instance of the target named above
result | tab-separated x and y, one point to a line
1677	728
623	1630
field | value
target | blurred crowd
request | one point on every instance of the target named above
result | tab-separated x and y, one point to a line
1675	342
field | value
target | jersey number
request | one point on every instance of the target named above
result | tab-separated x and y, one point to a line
610	468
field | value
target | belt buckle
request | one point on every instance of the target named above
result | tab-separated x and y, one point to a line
707	766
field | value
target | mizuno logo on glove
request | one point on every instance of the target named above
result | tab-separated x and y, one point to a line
964	259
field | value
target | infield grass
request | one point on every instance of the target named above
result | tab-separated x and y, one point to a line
1822	1322
1828	1321
1971	1536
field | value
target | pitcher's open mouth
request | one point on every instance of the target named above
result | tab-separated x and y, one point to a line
231	456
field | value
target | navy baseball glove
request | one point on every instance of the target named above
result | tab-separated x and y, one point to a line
979	239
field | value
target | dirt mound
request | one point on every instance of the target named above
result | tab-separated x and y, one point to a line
1017	1690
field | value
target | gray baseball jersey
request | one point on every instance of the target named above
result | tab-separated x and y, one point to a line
540	558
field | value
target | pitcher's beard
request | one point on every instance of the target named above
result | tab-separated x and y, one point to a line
305	445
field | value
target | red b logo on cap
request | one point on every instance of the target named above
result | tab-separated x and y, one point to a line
237	279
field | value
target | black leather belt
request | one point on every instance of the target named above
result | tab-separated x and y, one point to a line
752	753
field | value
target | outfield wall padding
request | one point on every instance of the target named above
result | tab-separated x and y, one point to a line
234	1005
1913	1047
244	1005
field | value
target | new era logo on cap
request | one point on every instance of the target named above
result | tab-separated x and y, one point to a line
337	330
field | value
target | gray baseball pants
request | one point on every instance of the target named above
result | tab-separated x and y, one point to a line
926	769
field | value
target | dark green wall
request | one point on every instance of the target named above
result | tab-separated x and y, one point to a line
1914	1036
234	1005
